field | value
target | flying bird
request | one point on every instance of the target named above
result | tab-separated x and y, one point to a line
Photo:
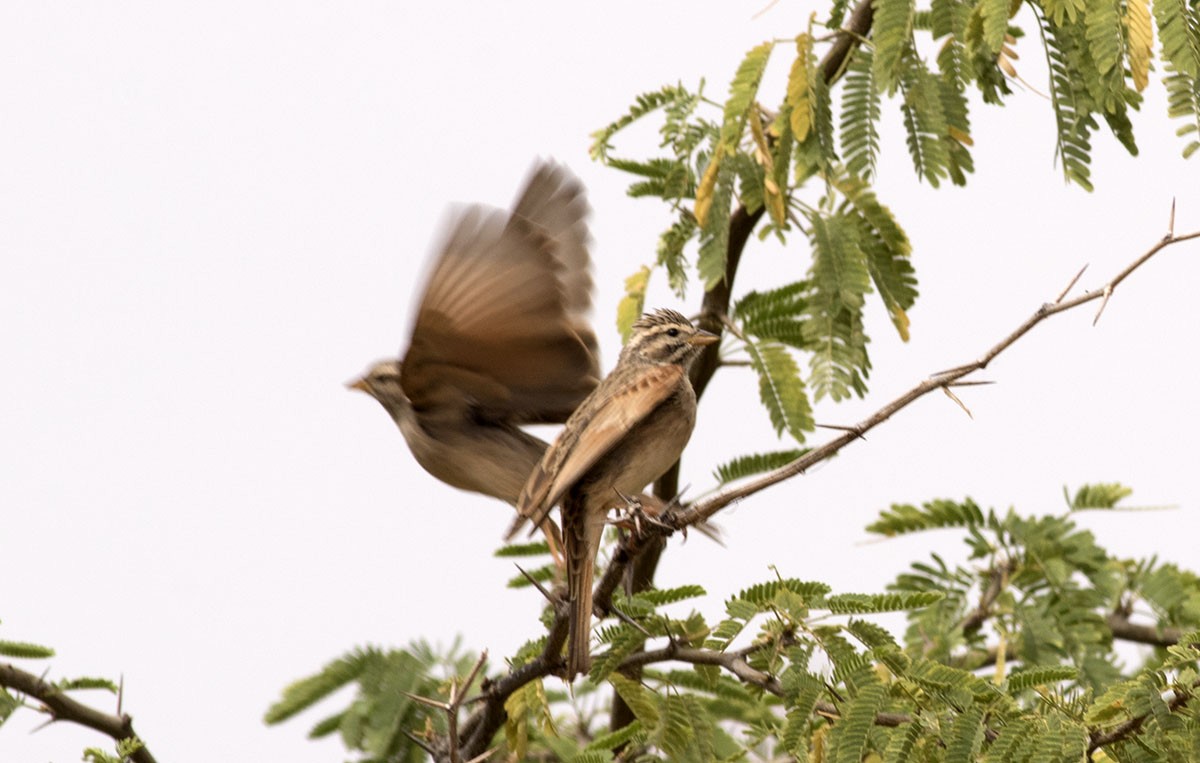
501	338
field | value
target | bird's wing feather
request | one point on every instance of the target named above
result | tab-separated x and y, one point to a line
570	457
507	301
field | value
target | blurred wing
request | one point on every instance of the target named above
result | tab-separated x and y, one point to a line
554	201
568	460
502	326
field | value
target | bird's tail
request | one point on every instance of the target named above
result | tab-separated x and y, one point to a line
579	593
581	541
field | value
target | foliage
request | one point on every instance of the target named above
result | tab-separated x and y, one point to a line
1011	655
784	162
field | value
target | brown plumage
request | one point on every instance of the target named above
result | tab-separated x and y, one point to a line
626	434
501	338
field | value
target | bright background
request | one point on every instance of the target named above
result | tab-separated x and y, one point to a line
213	215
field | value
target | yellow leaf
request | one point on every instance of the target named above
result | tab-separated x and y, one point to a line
1006	65
629	309
959	135
762	149
900	321
798	90
1137	22
708	183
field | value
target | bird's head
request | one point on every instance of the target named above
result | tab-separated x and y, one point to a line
382	382
667	337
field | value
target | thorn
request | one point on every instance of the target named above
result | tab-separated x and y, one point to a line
471	676
957	369
629	621
1171	224
1108	290
969	383
954	397
426	701
1062	294
419	743
41	726
483	756
853	430
120	694
535	583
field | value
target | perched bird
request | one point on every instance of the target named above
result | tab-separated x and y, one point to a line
501	338
626	434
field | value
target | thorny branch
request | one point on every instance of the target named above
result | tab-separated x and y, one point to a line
61	707
706	508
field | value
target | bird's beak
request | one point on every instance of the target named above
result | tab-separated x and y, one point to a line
703	338
359	384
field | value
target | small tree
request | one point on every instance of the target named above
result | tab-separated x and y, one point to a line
1011	659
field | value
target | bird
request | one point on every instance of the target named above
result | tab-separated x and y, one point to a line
501	338
626	434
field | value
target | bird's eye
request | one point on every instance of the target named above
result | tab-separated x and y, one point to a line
672	332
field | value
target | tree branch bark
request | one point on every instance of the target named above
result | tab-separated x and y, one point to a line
61	707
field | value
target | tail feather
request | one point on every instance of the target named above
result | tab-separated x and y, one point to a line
582	532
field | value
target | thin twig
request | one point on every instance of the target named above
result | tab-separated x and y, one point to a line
707	507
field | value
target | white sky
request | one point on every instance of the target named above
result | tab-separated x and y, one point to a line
213	215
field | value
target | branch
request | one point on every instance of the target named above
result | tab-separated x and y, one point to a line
735	662
1125	630
1129	728
998	580
706	508
482	725
60	707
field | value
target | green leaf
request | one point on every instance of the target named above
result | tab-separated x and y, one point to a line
903	518
306	692
657	597
860	116
1179	33
742	92
639	699
891	32
1072	104
987	26
670	253
852	731
72	684
966	736
781	389
775	314
1103	495
1183	102
714	235
861	603
644	104
1027	678
833	327
749	465
924	120
1105	34
24	650
540	548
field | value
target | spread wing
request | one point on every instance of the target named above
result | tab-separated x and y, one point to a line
502	326
589	435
